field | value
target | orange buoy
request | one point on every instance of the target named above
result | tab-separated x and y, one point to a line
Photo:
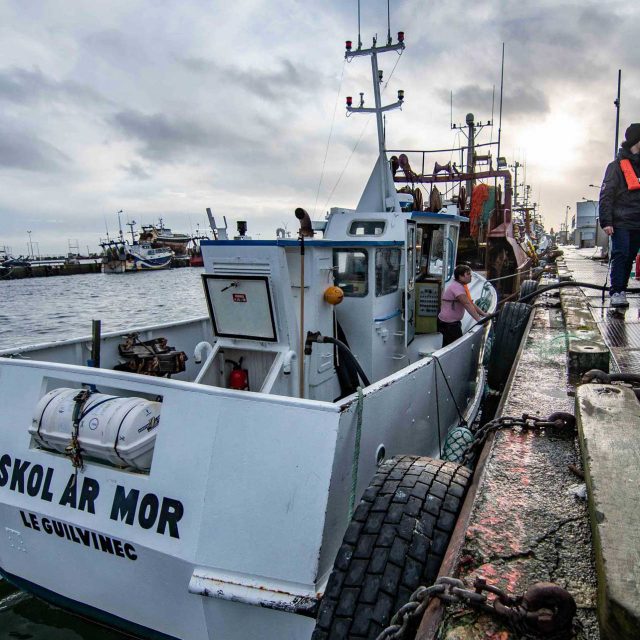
333	295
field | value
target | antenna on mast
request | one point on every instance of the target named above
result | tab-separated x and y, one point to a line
493	104
451	109
616	102
501	91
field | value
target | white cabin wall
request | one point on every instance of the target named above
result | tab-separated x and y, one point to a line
388	350
321	381
354	316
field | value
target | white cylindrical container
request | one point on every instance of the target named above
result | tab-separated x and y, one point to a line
119	430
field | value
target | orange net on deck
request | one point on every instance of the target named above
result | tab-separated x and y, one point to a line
479	196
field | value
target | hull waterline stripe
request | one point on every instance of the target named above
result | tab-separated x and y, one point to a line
397	312
85	610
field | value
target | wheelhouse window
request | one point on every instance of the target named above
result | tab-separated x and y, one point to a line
350	268
432	250
451	258
387	271
367	228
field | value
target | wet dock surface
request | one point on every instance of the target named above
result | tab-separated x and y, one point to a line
609	427
532	518
619	327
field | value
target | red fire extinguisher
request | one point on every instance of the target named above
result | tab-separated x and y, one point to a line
638	266
239	377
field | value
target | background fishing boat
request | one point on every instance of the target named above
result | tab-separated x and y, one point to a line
160	236
122	256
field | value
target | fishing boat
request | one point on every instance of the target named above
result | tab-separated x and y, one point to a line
195	252
216	478
500	234
122	256
160	236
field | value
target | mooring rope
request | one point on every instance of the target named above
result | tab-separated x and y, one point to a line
356	453
462	420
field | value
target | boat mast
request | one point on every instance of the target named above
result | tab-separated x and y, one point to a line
471	145
120	226
133	235
378	109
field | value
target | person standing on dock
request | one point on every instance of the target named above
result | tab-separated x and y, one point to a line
456	299
620	212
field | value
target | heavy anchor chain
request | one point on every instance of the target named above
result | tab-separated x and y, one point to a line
558	420
545	609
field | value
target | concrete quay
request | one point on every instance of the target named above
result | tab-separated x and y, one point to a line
526	519
52	269
608	417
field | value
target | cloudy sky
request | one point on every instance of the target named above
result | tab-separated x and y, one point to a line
164	108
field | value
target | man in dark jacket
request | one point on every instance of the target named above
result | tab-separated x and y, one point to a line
620	212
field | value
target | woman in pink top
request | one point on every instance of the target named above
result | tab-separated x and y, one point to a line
456	299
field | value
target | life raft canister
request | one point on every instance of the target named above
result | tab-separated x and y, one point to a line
633	183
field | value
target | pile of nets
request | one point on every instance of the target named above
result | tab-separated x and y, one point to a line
483	203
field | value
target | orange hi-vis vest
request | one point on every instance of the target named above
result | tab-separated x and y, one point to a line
633	183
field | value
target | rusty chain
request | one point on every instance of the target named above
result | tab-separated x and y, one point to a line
558	420
73	450
545	609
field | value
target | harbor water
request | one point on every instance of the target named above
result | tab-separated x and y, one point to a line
38	310
41	310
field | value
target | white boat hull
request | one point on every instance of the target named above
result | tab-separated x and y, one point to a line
245	504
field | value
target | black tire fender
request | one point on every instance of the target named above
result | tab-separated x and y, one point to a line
395	542
526	288
507	335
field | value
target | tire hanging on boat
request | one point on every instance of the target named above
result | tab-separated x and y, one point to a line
527	287
507	335
395	542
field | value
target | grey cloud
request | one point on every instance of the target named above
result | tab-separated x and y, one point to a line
117	47
21	150
136	170
265	83
546	43
167	139
22	86
518	100
199	65
561	25
560	42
